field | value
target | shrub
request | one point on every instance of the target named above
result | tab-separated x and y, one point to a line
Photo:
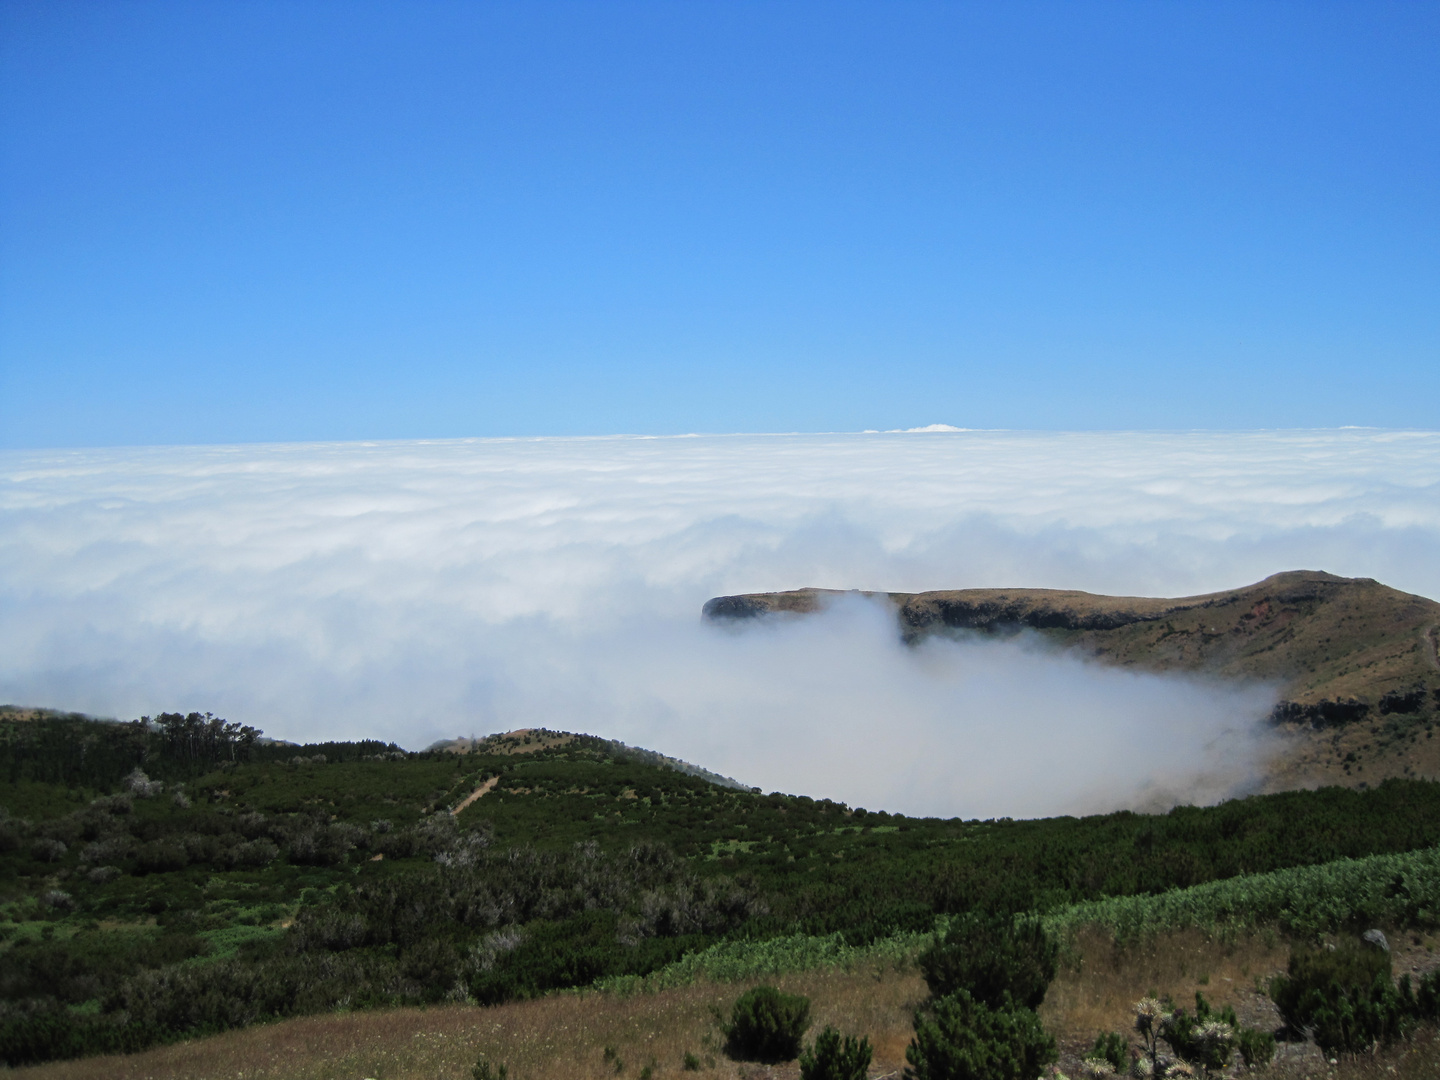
992	957
1114	1048
836	1058
1427	996
1257	1048
1206	1039
766	1025
1398	888
961	1038
1344	996
483	1070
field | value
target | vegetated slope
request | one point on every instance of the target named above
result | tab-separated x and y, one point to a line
1355	660
231	881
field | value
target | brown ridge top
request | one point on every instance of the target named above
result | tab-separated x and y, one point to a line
1340	650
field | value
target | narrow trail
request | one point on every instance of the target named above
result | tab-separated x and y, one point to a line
487	786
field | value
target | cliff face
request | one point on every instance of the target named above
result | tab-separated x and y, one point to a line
1354	659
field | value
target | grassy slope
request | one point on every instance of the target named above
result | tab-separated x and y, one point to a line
1320	638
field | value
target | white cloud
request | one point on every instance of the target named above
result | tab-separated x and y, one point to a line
416	590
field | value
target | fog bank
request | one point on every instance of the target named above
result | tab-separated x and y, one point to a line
412	591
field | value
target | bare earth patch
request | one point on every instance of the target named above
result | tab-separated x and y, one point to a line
479	792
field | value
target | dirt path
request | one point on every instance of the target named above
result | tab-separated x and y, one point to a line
488	785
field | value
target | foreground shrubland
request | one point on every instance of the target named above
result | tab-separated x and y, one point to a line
177	878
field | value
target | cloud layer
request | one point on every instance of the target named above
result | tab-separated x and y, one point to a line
418	590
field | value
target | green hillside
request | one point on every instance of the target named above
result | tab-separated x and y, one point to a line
183	875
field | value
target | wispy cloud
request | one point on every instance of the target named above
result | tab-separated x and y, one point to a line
416	590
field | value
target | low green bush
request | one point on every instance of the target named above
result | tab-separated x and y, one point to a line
1389	889
1427	996
960	1038
992	957
1205	1038
1114	1048
1344	996
1257	1048
767	1025
834	1057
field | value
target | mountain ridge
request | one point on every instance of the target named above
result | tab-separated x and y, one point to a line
1348	654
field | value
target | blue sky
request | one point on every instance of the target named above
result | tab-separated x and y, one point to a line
306	220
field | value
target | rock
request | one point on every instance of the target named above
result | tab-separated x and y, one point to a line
1376	938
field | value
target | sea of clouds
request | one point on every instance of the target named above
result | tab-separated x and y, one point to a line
420	590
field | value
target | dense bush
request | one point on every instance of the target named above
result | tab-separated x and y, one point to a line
1257	1048
836	1058
88	965
43	1031
488	889
992	957
767	1025
1113	1047
960	1038
1427	996
1344	996
1205	1038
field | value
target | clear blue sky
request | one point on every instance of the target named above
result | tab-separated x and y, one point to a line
313	220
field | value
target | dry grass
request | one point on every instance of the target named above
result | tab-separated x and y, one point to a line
562	1037
1419	1059
1096	990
